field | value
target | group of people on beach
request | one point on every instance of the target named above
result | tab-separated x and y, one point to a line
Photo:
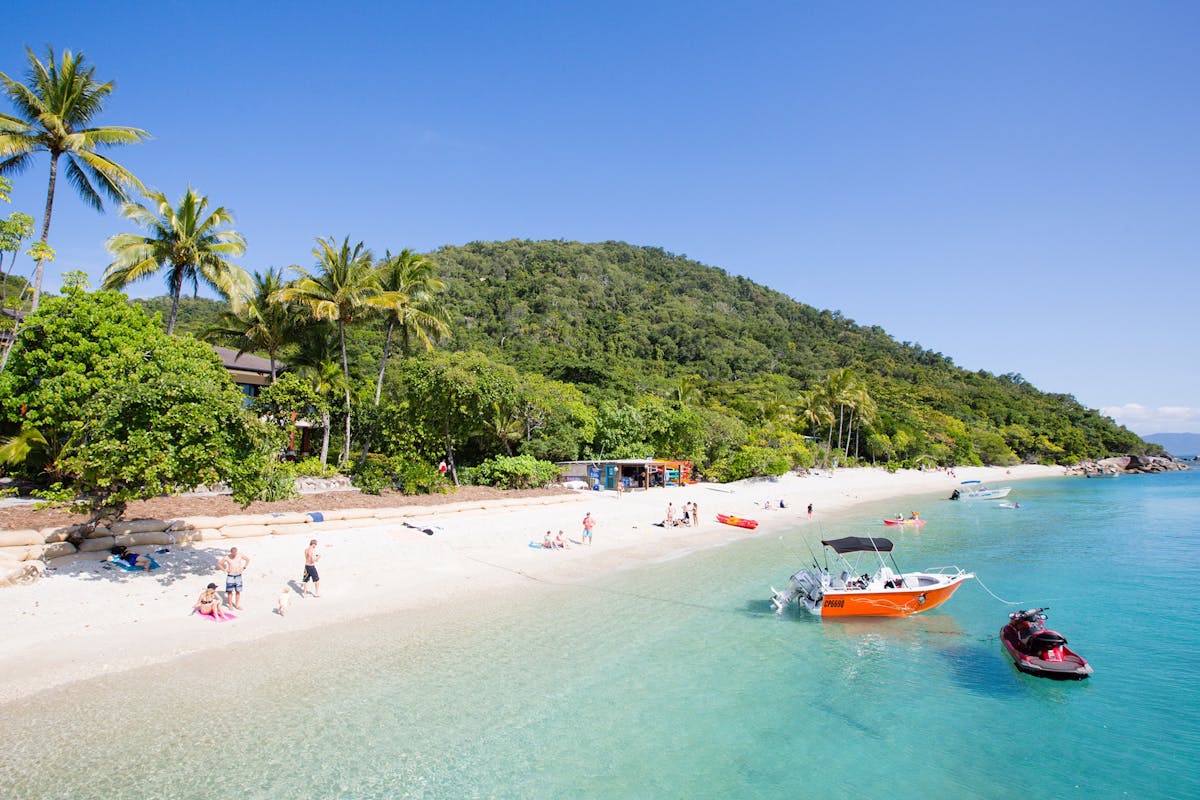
234	565
690	517
560	542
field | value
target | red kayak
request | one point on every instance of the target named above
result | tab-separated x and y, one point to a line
740	522
904	522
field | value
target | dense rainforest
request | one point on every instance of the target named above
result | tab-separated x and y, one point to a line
658	354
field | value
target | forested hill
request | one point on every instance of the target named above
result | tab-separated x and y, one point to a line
618	319
680	358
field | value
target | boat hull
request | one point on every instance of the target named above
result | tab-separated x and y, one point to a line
914	522
900	602
737	522
1072	668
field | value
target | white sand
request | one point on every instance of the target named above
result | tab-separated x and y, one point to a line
82	621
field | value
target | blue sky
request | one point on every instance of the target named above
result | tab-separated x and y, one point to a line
1013	184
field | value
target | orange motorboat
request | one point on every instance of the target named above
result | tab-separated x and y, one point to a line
885	592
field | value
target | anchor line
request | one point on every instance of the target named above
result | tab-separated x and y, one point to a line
994	595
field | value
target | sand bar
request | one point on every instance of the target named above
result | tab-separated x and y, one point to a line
82	621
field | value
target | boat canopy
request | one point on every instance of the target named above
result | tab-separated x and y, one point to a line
859	544
964	483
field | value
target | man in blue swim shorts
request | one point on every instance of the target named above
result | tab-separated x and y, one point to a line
234	565
310	570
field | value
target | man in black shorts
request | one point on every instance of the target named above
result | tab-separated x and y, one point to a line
310	570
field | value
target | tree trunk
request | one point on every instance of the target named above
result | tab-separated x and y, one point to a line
40	269
176	290
325	438
345	456
849	431
387	347
450	451
271	355
841	416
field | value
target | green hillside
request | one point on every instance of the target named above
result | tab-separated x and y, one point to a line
617	319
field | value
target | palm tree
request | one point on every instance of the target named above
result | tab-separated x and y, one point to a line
346	286
409	285
189	241
257	322
54	109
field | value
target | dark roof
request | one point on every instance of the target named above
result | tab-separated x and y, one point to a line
246	362
859	544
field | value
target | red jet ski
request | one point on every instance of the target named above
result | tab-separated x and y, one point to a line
1037	650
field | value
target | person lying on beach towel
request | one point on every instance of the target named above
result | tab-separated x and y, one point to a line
130	561
209	605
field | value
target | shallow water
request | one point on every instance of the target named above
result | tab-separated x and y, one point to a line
676	680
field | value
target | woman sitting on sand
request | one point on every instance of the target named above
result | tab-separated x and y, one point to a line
209	603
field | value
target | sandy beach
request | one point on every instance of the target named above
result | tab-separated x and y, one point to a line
83	620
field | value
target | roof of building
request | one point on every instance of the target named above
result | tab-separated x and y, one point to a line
246	362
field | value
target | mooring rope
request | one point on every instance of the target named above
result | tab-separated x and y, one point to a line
993	594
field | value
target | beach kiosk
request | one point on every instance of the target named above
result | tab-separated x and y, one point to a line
629	473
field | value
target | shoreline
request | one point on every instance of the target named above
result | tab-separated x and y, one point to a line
82	621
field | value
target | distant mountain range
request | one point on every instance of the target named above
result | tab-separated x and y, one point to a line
1179	445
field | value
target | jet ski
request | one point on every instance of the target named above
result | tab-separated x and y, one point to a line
1037	650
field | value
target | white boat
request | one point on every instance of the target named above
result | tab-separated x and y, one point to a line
974	490
883	592
1101	473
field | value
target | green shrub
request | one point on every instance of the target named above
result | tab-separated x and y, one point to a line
513	472
276	481
419	477
749	462
374	474
313	468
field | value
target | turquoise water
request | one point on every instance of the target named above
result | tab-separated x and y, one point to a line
675	680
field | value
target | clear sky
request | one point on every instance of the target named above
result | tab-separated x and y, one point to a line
1013	184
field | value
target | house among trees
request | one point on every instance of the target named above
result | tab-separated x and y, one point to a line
630	473
250	373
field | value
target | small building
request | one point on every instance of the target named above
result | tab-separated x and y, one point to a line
250	373
630	473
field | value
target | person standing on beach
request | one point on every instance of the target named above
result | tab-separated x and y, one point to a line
810	510
670	521
234	565
589	522
695	515
310	570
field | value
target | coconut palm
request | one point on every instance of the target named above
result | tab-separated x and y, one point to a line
257	322
189	241
54	109
409	285
345	287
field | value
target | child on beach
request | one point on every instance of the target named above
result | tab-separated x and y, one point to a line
284	600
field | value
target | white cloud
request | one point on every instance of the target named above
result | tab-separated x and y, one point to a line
1144	421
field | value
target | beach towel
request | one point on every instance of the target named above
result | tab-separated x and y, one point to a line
214	617
125	565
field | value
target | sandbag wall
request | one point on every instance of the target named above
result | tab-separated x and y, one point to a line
25	554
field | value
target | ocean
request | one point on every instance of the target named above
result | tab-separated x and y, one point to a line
676	680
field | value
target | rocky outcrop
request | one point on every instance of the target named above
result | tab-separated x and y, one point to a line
1127	464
